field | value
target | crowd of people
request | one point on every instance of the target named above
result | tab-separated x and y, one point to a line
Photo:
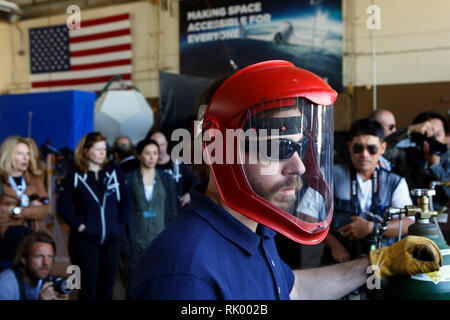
116	204
113	207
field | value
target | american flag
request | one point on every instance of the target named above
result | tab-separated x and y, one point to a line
83	59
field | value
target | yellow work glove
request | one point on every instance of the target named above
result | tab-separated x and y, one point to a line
411	255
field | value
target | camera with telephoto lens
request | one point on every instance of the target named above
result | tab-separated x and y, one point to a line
436	147
60	284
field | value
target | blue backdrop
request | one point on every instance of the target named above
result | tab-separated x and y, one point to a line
60	117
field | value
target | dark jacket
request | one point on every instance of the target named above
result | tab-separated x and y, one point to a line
102	205
129	165
346	205
410	163
185	179
139	205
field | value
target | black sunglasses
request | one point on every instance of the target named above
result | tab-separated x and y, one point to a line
286	148
358	148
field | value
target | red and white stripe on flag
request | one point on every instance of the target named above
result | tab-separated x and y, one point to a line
95	53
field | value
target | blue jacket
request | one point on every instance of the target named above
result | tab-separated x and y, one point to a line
102	205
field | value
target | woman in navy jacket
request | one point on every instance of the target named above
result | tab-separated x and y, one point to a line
95	203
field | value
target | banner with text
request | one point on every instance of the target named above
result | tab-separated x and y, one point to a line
216	37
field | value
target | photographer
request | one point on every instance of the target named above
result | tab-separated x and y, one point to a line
361	186
419	153
26	280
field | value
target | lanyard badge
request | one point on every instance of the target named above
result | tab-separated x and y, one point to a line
20	191
24	200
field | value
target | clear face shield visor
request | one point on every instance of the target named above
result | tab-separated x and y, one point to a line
286	155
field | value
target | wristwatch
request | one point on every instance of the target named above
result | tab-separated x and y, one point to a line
16	210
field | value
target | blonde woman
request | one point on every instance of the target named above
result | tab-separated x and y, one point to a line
23	197
34	153
95	203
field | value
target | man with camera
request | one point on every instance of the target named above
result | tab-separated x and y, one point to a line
28	279
419	153
361	186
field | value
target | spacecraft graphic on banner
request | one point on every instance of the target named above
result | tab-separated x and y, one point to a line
239	33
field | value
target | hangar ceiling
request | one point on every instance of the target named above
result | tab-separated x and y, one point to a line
40	8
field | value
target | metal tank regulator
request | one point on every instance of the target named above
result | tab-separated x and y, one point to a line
432	286
423	212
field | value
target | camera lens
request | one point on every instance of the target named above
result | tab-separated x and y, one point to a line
60	284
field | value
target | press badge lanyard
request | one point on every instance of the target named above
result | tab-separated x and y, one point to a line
20	191
109	186
375	190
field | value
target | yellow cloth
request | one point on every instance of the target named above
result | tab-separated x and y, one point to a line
412	255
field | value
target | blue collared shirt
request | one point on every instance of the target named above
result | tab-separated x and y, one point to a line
208	254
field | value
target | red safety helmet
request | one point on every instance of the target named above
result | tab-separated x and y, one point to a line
295	199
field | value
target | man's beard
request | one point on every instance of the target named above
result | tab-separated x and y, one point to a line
34	276
292	182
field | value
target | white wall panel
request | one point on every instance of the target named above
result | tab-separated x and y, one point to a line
412	46
154	44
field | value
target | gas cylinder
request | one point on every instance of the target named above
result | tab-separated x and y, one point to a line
427	286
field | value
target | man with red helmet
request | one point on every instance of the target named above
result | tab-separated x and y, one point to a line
272	173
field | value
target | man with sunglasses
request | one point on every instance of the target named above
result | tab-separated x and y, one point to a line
362	187
280	152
